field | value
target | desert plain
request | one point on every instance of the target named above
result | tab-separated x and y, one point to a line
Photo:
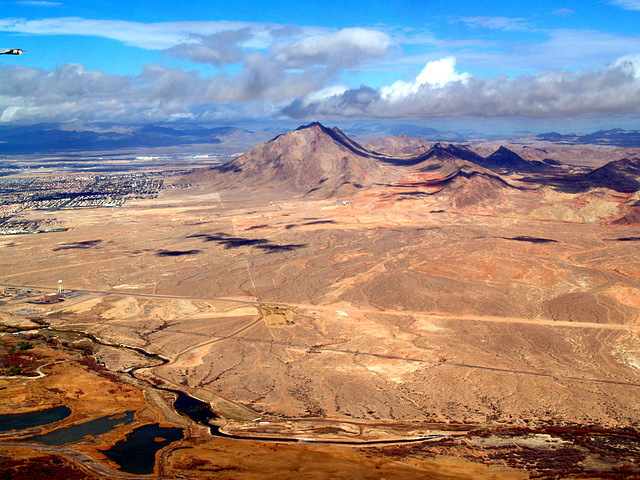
499	324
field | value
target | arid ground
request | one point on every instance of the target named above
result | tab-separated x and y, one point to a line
508	323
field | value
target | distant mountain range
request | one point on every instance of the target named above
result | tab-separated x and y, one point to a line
78	138
316	159
320	162
616	137
54	138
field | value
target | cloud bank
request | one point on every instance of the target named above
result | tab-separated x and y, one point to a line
261	90
439	90
267	70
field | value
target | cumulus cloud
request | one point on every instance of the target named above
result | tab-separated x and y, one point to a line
334	50
324	94
435	74
629	63
299	72
68	93
72	92
611	90
159	93
278	63
217	49
351	103
220	42
344	48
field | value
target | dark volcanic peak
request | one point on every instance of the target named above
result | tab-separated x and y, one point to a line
338	136
312	158
317	160
458	151
323	161
438	152
506	159
620	175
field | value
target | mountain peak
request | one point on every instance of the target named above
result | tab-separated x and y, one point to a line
312	158
506	159
311	125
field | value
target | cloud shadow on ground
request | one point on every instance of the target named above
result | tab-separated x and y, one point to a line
176	253
78	245
525	238
315	222
227	241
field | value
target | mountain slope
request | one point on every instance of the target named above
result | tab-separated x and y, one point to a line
505	159
620	175
314	160
310	159
318	162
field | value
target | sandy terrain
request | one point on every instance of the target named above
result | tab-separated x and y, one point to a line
394	312
517	309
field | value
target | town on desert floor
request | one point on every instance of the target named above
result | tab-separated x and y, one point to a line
323	308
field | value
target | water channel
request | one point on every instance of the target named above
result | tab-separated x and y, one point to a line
74	433
136	453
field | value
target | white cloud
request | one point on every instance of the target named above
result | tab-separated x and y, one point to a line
495	23
299	71
324	94
222	42
435	74
630	63
627	4
555	94
151	36
72	92
218	48
159	93
36	3
564	12
344	48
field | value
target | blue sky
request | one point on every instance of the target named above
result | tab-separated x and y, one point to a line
539	64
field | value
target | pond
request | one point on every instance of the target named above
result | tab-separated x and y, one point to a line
20	421
136	454
64	436
196	410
